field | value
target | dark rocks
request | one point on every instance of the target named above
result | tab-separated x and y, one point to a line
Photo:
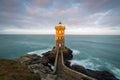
51	55
99	75
79	68
67	54
67	63
36	64
40	69
30	59
42	65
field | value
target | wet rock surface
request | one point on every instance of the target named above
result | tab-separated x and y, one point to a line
99	75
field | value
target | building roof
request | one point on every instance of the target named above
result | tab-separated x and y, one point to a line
60	26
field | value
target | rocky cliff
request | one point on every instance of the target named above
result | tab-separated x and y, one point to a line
43	65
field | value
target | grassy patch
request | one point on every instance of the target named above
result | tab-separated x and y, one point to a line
12	70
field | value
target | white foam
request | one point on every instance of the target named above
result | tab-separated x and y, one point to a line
75	52
86	63
39	52
114	70
52	67
97	64
74	62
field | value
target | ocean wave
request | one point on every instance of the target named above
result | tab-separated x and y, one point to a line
114	70
75	52
97	64
39	52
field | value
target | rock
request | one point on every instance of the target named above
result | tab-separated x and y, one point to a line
40	69
51	55
51	77
30	59
79	68
36	64
42	65
99	75
67	53
67	63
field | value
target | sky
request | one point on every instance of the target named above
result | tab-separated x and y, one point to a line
86	17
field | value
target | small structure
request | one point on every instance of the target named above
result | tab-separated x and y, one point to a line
60	43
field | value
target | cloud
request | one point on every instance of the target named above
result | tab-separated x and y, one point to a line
42	3
98	17
45	14
11	6
99	5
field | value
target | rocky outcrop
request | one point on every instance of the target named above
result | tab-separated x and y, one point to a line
99	75
51	55
42	65
40	69
36	64
67	53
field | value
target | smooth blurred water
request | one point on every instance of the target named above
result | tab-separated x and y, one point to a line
97	52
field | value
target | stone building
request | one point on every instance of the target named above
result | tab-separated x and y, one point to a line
60	36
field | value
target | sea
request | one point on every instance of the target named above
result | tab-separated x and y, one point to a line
96	52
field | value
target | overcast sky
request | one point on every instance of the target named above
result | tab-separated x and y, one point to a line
41	16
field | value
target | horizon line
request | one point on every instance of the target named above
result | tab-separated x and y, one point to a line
54	34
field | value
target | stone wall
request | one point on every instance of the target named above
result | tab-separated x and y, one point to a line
55	64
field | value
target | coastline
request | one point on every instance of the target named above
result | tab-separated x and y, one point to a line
39	65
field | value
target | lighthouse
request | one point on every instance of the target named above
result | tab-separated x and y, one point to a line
60	36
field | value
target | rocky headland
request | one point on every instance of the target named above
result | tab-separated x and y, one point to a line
43	65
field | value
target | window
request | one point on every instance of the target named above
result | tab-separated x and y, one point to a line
60	32
57	38
59	45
